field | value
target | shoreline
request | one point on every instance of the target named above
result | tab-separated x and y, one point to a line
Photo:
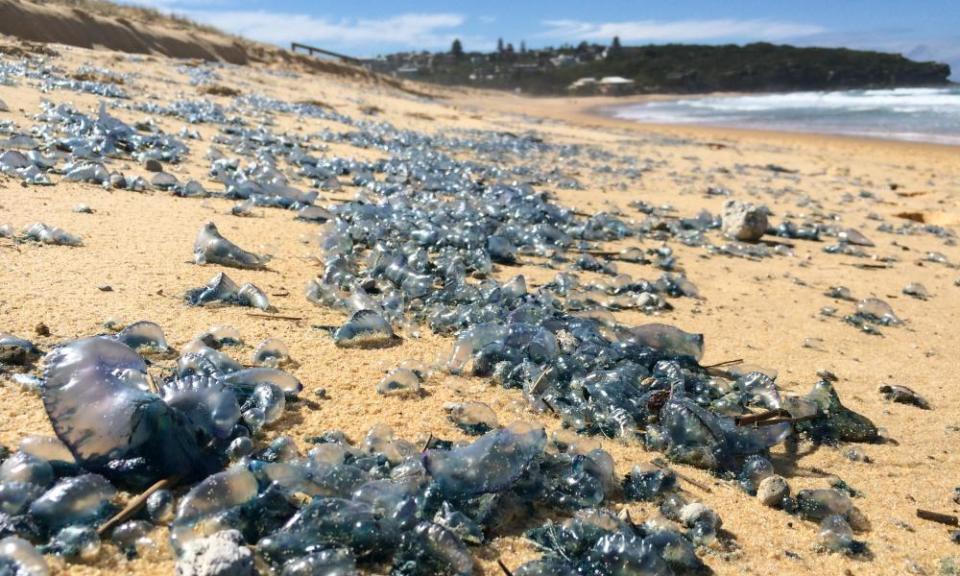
590	112
610	111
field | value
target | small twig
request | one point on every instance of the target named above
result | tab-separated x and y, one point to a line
274	316
134	505
152	383
776	243
770	418
602	253
748	419
783	420
549	406
660	464
724	363
503	567
948	519
867	266
535	389
426	443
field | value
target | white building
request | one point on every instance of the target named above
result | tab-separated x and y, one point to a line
615	85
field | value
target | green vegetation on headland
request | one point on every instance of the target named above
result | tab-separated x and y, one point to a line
684	68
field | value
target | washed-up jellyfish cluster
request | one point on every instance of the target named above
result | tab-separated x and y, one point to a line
132	427
379	503
424	243
429	257
402	259
80	147
120	425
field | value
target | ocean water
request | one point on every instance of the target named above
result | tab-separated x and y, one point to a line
916	114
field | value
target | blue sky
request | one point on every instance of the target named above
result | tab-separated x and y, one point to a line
922	29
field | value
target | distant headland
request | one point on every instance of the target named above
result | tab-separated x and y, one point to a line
672	68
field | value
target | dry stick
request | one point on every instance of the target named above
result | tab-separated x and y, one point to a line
426	444
770	418
535	389
659	464
134	505
152	383
948	519
776	243
724	363
783	420
760	417
503	567
602	253
867	266
274	316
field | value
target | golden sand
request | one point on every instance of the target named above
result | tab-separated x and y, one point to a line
765	312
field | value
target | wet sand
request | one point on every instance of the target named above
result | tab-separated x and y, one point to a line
765	312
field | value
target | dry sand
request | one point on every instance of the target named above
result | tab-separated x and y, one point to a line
763	311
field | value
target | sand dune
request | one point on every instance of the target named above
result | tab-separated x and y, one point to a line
53	22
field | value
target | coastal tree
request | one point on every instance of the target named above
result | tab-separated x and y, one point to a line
456	49
615	52
500	45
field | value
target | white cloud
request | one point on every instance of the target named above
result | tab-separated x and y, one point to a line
406	30
678	30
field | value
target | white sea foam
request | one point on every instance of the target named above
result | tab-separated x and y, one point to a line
925	114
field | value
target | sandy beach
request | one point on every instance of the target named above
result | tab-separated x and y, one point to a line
766	312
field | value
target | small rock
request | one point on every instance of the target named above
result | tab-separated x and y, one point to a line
105	288
42	329
743	221
153	165
218	555
772	491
